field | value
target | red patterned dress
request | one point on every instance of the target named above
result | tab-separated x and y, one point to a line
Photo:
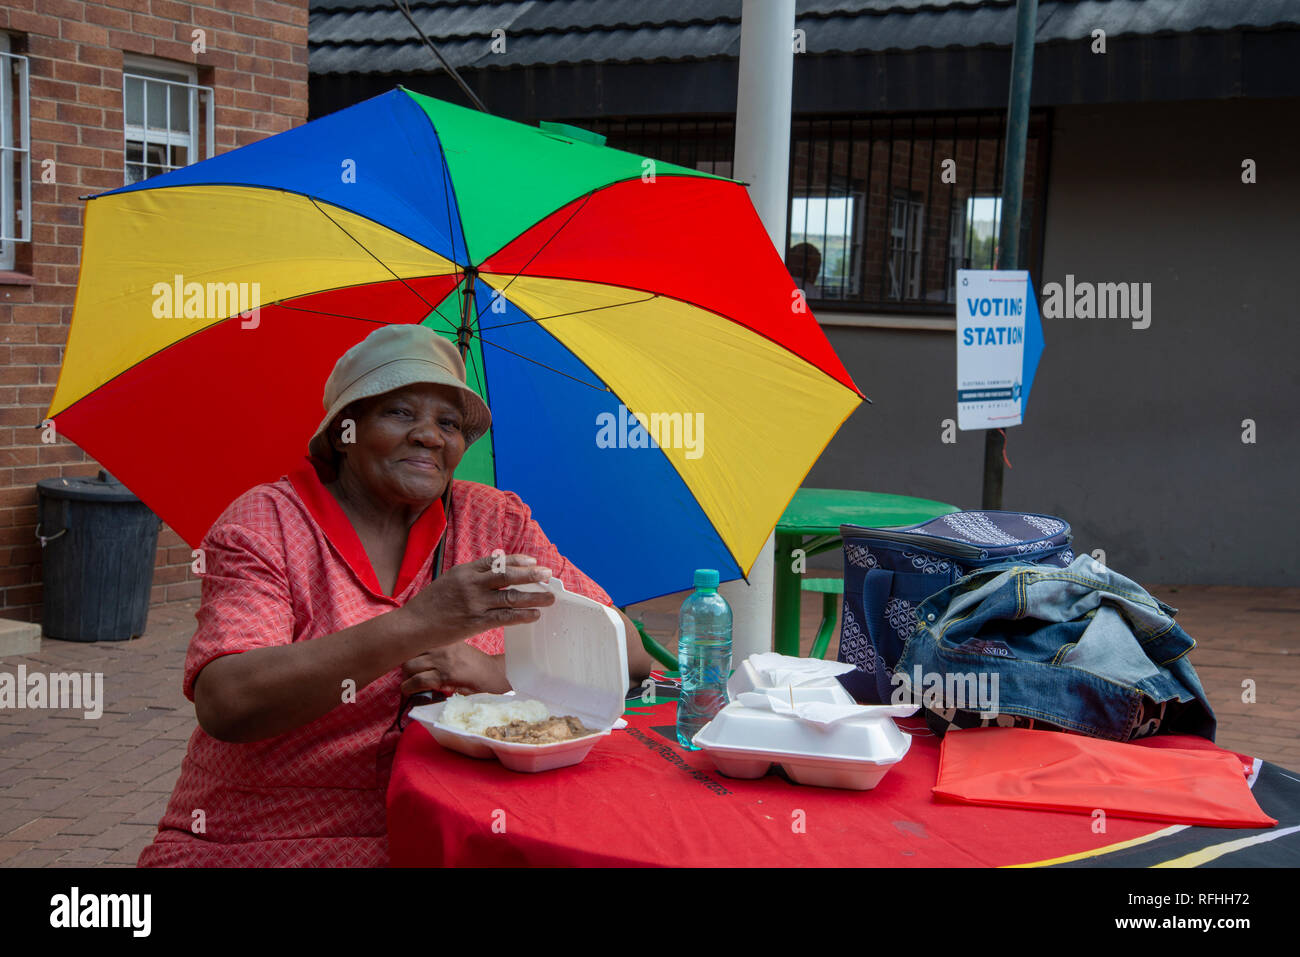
284	564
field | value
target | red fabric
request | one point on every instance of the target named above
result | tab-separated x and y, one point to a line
1050	770
283	565
640	800
723	262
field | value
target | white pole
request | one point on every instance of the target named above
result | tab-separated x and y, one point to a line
763	161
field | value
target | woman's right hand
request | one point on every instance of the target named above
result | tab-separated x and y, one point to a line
472	598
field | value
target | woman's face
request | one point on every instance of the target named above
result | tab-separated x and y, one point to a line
408	443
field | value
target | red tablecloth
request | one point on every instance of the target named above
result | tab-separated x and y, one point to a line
638	799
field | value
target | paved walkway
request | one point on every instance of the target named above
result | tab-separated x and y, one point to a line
90	792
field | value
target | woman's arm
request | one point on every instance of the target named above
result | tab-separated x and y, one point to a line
267	691
461	668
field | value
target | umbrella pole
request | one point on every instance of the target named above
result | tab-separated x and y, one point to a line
464	332
762	159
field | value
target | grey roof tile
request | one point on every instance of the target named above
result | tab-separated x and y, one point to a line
369	36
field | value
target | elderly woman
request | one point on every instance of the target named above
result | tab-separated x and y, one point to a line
331	596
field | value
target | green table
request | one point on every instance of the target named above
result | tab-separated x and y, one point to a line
811	522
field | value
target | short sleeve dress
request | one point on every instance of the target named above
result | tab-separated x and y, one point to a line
284	564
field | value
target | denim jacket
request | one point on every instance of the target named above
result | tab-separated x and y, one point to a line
1080	647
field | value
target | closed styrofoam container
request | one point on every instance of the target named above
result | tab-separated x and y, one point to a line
854	753
573	659
747	678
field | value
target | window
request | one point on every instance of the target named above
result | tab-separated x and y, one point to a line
906	225
831	224
883	209
925	202
168	121
973	237
15	165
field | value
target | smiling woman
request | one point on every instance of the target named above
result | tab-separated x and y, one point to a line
332	595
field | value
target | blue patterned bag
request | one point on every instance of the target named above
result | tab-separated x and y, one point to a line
889	571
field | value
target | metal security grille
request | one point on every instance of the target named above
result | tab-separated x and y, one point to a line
163	126
878	221
15	155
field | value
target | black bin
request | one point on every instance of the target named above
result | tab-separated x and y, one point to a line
98	544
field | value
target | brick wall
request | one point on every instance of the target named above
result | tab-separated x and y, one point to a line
256	60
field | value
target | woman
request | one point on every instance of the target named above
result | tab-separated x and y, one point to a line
322	612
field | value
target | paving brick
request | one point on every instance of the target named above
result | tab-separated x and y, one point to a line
124	835
37	830
33	857
96	823
83	856
11	849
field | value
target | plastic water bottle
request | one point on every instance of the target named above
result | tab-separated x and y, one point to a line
703	656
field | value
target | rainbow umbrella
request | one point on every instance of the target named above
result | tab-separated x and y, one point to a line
657	393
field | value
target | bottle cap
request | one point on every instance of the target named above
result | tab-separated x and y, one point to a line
706	578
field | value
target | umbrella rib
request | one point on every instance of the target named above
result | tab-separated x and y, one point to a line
520	355
576	312
538	252
408	286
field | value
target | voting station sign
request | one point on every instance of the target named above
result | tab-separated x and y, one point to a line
999	343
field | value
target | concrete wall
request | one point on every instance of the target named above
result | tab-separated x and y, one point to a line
1134	436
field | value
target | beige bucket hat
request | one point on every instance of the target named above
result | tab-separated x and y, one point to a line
393	357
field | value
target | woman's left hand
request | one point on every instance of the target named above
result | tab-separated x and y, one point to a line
455	668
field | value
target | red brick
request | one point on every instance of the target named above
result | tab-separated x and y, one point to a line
14	332
77	72
100	56
49	46
211	19
17	496
59	454
99	96
108	17
14	375
14	416
84	33
21	21
30	476
171	10
151	26
23	594
17	457
183	591
16	576
107	139
80	115
169	575
174	50
129	41
39	395
48	88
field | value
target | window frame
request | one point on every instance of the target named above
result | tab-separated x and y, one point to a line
15	157
199	142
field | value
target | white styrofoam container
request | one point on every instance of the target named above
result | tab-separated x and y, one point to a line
573	659
747	678
854	753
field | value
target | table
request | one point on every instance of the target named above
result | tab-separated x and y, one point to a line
640	800
819	512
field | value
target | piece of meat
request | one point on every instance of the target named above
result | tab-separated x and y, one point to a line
546	731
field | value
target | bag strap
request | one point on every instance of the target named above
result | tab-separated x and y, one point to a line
882	585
